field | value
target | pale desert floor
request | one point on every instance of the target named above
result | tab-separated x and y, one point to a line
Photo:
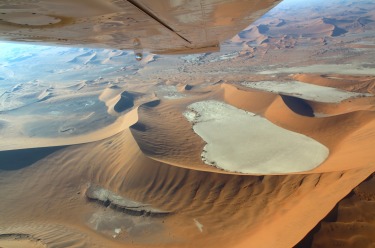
268	143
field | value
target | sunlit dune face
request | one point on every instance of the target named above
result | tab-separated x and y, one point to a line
240	141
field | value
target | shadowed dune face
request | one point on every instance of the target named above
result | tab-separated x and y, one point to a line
18	159
299	106
126	102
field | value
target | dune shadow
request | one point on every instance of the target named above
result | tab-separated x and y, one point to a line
21	158
138	127
126	102
298	105
151	104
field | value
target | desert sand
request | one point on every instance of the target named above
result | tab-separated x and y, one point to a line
267	143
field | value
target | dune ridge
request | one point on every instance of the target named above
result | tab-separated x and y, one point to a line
175	145
154	159
190	194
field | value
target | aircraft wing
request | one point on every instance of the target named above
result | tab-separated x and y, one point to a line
160	26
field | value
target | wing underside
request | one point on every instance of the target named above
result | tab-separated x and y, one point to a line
161	26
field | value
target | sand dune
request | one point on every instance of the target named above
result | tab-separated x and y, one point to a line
78	86
319	27
254	34
350	223
153	164
360	84
125	102
192	195
117	100
273	33
176	145
348	69
306	91
84	58
100	154
185	87
149	58
298	105
19	142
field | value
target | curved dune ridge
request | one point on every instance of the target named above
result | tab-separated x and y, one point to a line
253	206
360	84
154	164
117	100
257	34
327	27
174	142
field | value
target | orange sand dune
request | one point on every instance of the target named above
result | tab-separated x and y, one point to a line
254	34
154	160
363	84
350	223
175	143
253	206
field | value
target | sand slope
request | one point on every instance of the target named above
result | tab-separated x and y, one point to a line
176	145
155	189
215	200
350	223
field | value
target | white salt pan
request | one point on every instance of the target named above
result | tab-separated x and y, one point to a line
305	91
240	141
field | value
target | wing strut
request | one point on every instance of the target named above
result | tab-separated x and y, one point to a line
150	14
